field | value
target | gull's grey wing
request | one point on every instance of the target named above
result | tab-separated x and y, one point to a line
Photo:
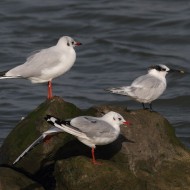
65	125
140	85
144	89
93	127
147	88
146	81
36	63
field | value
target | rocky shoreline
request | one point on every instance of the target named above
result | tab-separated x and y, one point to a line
146	156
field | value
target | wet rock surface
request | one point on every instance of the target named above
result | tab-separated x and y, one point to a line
147	154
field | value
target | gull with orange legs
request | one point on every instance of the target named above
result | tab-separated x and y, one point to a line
46	64
89	130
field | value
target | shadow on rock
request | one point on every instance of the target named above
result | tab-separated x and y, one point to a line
76	148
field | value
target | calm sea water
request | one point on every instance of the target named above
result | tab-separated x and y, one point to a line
120	40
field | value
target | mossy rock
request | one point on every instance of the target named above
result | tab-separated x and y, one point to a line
146	150
13	180
151	140
79	173
173	175
30	128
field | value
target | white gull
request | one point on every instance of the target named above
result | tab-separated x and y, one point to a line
146	88
46	64
89	130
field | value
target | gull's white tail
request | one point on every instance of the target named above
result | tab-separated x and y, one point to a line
120	90
8	77
37	141
3	75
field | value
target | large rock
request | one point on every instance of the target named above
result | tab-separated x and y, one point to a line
78	173
147	155
12	180
30	129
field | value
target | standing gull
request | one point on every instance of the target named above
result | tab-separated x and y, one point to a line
89	130
146	88
92	131
46	64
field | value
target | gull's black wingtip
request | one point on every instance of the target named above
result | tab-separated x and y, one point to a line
2	73
47	117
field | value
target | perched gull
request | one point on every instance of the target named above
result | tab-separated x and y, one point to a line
46	64
146	88
91	131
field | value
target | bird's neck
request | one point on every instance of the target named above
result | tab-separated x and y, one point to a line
111	122
117	128
157	74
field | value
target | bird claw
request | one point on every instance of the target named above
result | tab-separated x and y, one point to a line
97	163
50	97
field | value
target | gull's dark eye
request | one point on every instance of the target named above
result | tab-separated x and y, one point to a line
163	69
72	42
119	119
158	68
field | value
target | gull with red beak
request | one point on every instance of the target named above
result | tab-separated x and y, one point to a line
89	130
46	64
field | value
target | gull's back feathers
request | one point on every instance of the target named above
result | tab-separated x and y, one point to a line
65	126
143	89
46	64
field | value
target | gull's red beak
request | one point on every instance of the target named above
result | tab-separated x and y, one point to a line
127	123
78	43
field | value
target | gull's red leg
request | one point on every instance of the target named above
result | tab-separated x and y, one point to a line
93	158
47	138
50	95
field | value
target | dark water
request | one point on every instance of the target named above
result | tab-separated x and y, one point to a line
120	40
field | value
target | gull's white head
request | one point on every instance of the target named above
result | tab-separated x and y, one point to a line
158	70
114	118
68	41
162	70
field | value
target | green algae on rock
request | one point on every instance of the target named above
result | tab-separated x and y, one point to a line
30	129
13	180
78	173
146	152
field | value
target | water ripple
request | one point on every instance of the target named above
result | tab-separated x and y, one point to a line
120	40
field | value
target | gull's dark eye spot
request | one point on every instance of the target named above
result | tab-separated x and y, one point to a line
72	42
119	119
158	68
114	118
68	44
